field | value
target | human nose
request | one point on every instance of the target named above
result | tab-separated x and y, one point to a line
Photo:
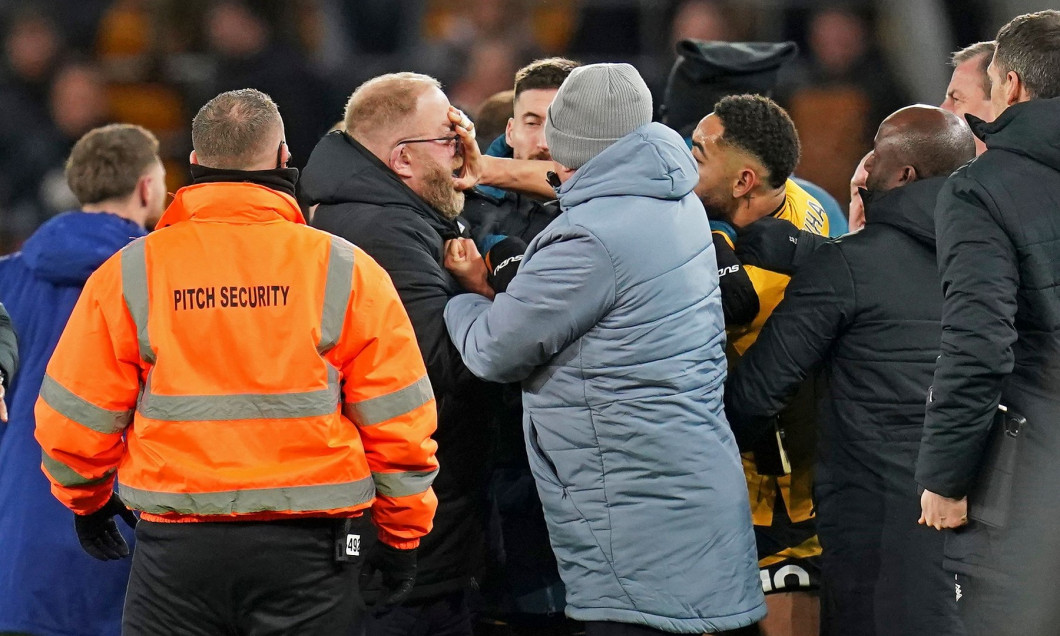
542	142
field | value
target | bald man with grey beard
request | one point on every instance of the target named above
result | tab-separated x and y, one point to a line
865	311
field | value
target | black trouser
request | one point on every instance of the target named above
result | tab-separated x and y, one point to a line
247	578
446	615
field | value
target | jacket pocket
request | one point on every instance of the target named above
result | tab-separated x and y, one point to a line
540	464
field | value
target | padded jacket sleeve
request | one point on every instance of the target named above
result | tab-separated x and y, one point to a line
818	303
563	288
979	270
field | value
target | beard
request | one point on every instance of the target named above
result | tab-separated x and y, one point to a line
876	181
543	155
717	210
439	193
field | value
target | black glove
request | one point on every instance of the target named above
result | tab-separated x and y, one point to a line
398	568
98	532
739	300
749	430
776	245
502	262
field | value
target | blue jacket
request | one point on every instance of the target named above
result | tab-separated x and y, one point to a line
614	327
48	585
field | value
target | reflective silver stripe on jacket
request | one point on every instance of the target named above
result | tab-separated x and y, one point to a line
248	501
403	484
337	291
76	408
134	290
66	476
384	407
242	406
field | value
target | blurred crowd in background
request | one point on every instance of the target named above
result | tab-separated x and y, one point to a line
70	66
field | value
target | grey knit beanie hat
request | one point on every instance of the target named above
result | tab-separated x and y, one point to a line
596	106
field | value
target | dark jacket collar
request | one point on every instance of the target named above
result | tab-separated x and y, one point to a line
909	208
279	179
1031	129
340	170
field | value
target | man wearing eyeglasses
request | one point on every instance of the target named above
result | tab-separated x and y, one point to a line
392	183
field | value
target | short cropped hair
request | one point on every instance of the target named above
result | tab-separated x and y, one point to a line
231	131
759	126
547	73
1030	45
384	101
984	51
107	162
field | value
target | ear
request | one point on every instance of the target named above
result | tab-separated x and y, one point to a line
746	182
908	175
508	131
1015	91
285	155
143	190
193	158
401	162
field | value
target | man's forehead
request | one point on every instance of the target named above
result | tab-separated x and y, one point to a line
432	109
973	64
535	101
709	130
971	70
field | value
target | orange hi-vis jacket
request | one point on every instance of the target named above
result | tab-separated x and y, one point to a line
236	364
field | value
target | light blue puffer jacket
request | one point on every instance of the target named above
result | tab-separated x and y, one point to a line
614	327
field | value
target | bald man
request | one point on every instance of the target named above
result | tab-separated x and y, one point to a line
865	310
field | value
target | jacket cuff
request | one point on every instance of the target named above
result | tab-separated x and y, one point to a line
950	488
398	542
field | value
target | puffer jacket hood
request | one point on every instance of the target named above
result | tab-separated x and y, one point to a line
68	248
1030	129
652	161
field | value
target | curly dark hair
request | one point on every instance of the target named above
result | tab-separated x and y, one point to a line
759	126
